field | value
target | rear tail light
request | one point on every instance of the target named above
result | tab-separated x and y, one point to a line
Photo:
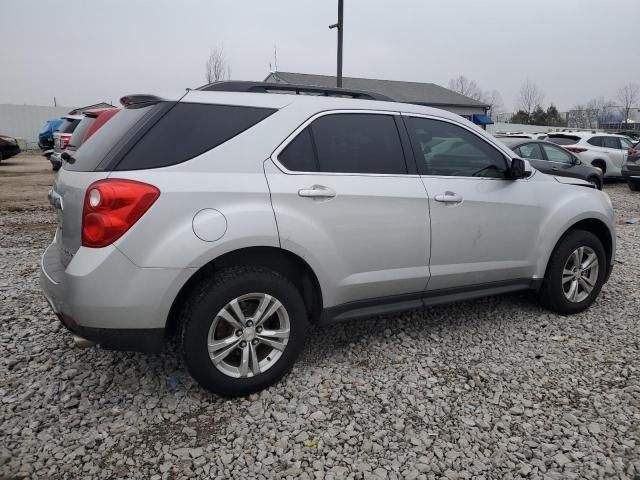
65	140
576	149
632	151
111	207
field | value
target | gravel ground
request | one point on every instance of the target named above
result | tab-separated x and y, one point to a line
495	388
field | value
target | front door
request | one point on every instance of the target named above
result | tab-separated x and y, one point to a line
345	202
484	227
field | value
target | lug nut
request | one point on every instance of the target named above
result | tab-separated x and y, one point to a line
259	329
249	323
238	333
243	344
254	342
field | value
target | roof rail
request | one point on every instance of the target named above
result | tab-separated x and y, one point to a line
266	87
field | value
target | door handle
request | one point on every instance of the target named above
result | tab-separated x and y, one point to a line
317	191
448	197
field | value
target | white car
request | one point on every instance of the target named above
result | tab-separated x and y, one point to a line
534	136
606	151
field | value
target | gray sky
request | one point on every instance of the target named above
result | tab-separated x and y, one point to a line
83	51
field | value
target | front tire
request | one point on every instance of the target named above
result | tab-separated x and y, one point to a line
595	182
242	330
575	273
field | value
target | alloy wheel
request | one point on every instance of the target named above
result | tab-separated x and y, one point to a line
248	335
580	274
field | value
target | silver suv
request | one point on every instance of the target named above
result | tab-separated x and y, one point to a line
232	222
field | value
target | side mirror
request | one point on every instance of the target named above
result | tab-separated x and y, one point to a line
517	169
575	161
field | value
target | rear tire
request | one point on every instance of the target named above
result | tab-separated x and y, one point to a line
634	185
223	316
560	275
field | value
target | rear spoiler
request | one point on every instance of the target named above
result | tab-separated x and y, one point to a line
139	100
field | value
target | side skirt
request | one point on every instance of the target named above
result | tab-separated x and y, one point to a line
399	303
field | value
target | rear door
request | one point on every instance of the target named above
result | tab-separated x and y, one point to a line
562	162
613	148
484	227
347	201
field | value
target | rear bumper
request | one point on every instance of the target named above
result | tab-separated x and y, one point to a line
103	297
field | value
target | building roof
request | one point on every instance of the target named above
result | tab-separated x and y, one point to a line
409	92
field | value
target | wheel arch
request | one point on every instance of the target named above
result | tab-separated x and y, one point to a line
599	229
600	163
286	263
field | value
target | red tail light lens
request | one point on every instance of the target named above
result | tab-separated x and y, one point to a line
65	140
111	207
576	149
632	151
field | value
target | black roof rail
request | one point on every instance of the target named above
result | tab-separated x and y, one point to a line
266	87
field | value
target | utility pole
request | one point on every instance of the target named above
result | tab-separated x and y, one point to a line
340	27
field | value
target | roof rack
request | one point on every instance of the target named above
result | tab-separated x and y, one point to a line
266	87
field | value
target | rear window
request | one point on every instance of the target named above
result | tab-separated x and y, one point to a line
564	139
188	130
104	144
80	132
68	125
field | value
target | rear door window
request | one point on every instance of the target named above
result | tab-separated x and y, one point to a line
358	143
299	154
595	141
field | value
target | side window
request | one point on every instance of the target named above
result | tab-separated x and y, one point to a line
442	148
625	143
595	141
555	154
531	150
298	155
611	142
358	143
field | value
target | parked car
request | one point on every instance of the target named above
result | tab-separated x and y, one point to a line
606	151
45	137
61	139
8	147
554	160
90	122
631	169
234	221
535	136
634	135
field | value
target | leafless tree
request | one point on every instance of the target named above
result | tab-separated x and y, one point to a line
217	66
529	98
598	111
466	87
494	100
577	117
629	97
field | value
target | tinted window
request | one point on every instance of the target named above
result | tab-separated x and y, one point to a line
531	150
188	130
626	143
98	147
442	148
611	142
298	156
68	125
595	141
358	143
556	154
564	139
80	132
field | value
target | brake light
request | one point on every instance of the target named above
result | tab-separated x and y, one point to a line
576	149
111	207
632	151
65	140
